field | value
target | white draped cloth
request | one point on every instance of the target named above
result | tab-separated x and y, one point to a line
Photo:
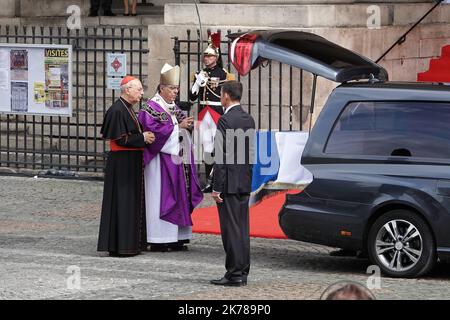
290	147
160	231
207	129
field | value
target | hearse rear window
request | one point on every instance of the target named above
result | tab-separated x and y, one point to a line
404	129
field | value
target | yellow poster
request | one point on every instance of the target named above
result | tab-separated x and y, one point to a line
39	92
57	78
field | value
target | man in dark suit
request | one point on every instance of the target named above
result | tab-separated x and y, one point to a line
232	181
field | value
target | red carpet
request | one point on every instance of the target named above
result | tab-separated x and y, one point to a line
263	218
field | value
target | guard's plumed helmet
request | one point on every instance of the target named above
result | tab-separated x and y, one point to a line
213	47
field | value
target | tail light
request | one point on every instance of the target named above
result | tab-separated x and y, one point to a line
241	53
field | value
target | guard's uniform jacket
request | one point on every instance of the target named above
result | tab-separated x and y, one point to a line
210	108
210	94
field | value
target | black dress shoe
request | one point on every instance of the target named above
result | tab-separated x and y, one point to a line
228	282
158	248
109	14
178	247
93	14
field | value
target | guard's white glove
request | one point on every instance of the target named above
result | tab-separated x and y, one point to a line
195	88
201	79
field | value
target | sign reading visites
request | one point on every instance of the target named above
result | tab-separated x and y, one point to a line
36	79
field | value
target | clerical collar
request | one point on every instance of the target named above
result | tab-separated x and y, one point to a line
160	100
168	107
129	105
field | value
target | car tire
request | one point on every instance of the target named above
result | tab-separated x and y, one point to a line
402	244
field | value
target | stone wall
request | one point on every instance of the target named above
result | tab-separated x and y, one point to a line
8	8
303	16
49	8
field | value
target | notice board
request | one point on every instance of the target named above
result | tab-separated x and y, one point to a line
36	79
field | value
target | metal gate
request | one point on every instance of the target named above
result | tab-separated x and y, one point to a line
278	96
74	144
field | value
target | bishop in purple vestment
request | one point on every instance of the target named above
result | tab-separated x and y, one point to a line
172	190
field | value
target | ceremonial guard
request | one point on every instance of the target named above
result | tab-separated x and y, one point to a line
206	90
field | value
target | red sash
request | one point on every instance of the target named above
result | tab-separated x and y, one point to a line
115	147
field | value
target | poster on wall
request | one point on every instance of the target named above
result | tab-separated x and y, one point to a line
113	83
19	65
19	97
117	64
36	79
56	78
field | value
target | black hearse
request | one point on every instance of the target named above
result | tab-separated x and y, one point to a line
379	153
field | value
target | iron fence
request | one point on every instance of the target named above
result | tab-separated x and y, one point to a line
75	144
278	96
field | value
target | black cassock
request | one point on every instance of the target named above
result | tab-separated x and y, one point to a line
122	225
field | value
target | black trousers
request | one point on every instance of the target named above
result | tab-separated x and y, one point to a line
234	225
106	5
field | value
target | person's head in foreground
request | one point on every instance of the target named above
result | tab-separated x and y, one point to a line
231	93
347	291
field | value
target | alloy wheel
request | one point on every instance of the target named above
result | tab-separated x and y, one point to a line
399	245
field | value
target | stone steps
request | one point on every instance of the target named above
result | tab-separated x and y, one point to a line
98	22
141	9
49	8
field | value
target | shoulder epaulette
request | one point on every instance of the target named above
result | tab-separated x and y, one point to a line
230	76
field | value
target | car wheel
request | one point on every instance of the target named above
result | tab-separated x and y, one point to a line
402	244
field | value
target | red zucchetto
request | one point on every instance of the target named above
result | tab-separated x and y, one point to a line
127	79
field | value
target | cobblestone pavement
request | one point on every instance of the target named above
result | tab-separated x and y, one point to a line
49	225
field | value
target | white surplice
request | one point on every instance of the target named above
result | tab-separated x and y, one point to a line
160	231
